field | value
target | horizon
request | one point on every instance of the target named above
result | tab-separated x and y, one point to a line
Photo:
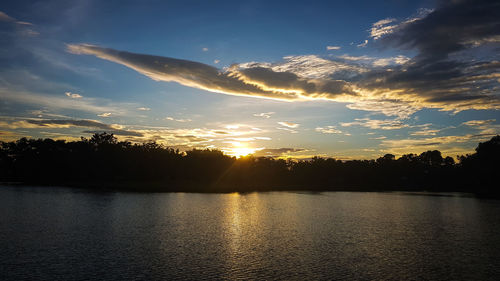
295	81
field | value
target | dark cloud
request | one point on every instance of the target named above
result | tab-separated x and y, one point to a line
115	132
59	123
451	27
448	70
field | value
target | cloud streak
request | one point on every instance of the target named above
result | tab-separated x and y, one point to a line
328	130
256	81
376	124
61	123
266	115
73	95
289	124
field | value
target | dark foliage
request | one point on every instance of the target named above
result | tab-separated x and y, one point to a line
104	162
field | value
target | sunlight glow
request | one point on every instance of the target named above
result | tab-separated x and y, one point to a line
239	149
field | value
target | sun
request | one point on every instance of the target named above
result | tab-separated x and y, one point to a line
242	151
239	150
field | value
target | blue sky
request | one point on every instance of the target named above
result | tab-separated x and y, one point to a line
353	79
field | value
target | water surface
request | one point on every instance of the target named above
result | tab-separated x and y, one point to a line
71	234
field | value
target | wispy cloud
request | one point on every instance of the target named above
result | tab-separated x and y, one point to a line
7	18
328	130
264	114
60	123
379	138
278	152
477	123
376	124
361	45
484	126
426	132
177	120
23	27
377	61
289	124
292	131
10	135
59	102
73	95
330	48
459	144
381	28
312	67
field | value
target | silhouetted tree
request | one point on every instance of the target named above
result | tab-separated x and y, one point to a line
104	161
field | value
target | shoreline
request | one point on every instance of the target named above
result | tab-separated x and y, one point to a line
145	187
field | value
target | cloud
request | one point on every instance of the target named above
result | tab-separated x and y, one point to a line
376	124
425	132
73	95
387	26
485	126
177	120
362	45
381	28
379	138
264	114
235	80
355	58
60	123
216	61
328	130
10	135
447	144
448	70
289	124
277	152
5	17
383	22
21	27
474	123
105	115
57	102
313	67
292	131
377	62
204	49
144	108
329	48
389	107
389	61
248	139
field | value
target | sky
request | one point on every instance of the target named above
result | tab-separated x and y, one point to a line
343	79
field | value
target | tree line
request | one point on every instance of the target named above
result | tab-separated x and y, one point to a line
103	162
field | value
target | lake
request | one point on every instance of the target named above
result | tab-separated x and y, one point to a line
49	233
